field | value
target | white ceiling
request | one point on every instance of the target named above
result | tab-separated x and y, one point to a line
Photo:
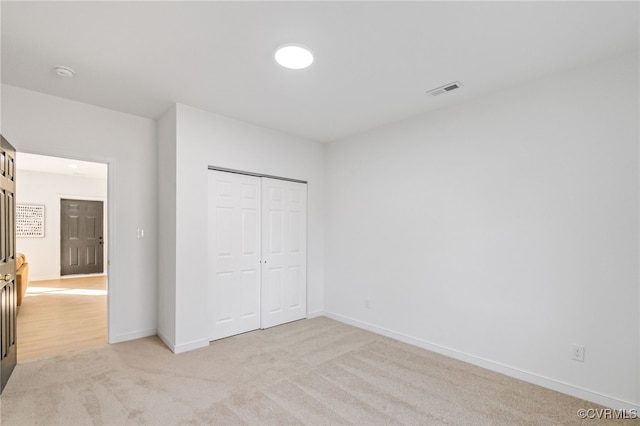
373	60
60	166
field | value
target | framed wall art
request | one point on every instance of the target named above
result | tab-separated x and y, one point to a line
29	221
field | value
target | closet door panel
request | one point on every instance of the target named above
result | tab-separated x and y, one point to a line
234	240
284	267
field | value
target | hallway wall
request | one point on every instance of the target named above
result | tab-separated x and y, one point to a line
43	254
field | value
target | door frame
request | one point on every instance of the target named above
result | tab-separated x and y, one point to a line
110	222
105	228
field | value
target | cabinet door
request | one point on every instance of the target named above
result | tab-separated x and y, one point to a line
284	251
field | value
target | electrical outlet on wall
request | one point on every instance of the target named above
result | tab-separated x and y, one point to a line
367	305
577	353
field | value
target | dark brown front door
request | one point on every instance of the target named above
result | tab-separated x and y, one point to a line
81	237
8	293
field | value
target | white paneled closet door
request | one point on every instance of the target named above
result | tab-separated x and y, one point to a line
284	251
234	254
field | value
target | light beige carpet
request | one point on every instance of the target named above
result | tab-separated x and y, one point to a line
315	371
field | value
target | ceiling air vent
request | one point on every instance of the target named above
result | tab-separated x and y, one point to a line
444	89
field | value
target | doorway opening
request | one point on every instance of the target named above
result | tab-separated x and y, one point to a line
64	307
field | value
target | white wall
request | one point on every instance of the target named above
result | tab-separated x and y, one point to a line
167	224
205	139
501	231
47	125
43	254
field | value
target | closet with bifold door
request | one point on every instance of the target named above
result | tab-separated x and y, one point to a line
257	252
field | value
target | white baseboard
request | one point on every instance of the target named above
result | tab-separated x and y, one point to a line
526	376
67	277
178	349
186	347
166	341
133	335
63	277
315	314
36	278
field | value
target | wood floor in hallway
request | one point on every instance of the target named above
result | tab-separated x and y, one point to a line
59	316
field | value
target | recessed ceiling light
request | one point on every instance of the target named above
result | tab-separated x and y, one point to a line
294	56
65	72
72	166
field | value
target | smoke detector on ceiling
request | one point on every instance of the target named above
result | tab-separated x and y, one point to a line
445	89
64	72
